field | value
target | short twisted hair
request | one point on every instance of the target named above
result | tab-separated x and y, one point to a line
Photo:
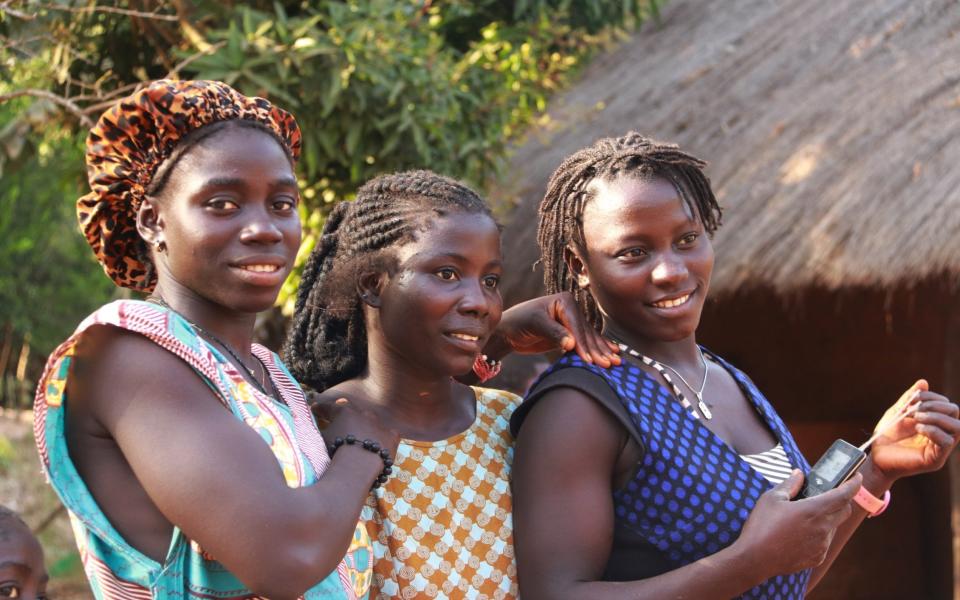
569	189
327	343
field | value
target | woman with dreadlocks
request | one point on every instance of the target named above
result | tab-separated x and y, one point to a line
670	475
185	454
400	296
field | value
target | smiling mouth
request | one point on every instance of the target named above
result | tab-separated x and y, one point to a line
260	268
465	336
673	303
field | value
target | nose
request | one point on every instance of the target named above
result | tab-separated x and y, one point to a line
261	228
475	301
669	270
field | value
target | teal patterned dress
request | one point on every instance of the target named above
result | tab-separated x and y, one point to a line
116	569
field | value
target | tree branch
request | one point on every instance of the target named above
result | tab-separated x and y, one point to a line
111	9
183	64
5	7
59	100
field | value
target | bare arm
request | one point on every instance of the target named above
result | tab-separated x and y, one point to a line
917	445
215	478
558	480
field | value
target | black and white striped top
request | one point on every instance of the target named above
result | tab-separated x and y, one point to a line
773	464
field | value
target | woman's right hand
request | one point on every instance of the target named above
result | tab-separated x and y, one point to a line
785	536
342	417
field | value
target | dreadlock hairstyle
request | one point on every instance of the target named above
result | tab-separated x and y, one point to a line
327	342
569	190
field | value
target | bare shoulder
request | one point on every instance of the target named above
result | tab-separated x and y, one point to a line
349	390
566	416
114	368
323	404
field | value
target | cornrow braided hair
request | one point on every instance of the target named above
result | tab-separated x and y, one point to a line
327	342
570	188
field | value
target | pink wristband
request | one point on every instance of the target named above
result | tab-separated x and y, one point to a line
870	503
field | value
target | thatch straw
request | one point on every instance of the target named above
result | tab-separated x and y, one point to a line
832	129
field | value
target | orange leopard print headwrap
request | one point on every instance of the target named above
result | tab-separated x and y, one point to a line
128	144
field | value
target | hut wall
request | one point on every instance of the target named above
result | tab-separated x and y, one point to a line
832	362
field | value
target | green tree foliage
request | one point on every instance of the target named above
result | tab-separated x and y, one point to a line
377	85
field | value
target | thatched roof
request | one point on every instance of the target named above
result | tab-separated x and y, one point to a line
832	130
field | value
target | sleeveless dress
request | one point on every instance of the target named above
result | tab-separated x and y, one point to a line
117	570
692	492
442	526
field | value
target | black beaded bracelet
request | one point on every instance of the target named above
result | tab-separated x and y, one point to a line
371	446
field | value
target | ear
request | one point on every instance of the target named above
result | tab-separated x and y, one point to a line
369	287
575	264
150	223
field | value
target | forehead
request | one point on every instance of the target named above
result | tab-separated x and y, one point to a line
235	152
474	236
630	206
18	545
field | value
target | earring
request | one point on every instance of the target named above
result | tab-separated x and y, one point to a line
160	245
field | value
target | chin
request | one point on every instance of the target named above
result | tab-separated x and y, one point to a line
675	334
252	303
461	368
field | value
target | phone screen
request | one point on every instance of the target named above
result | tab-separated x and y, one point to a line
832	466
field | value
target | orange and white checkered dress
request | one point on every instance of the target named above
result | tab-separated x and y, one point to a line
442	526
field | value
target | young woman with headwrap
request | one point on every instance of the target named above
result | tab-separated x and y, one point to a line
186	455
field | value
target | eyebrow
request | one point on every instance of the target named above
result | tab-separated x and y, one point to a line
12	563
237	182
462	258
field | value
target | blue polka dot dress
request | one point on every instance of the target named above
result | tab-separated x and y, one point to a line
692	492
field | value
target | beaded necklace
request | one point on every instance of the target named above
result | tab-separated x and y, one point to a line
704	409
254	377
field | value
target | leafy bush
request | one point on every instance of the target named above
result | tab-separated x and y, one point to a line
377	85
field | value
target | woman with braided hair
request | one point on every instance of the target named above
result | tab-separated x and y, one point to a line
670	475
185	454
399	297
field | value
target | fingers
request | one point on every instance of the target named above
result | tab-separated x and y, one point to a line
789	487
834	506
931	402
937	420
588	343
833	500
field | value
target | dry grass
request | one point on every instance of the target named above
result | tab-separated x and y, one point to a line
832	130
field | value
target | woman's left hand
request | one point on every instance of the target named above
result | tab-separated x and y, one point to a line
550	323
919	443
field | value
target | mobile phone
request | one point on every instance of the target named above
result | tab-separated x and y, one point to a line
837	465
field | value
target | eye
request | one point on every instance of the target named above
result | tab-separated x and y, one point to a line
446	274
689	239
491	281
222	204
285	204
9	590
633	253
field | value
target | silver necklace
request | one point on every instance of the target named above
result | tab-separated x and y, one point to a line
661	368
257	380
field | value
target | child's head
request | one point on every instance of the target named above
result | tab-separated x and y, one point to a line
22	573
417	256
620	214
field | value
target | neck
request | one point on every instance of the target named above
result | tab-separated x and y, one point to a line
230	326
419	405
680	353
